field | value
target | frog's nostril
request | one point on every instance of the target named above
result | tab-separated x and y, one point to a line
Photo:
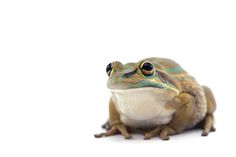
129	74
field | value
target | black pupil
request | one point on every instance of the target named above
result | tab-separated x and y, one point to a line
147	66
108	68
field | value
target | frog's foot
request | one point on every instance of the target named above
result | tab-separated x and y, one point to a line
163	131
110	132
119	128
208	121
208	125
155	132
164	135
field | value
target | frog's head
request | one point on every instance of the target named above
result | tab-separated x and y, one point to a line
140	75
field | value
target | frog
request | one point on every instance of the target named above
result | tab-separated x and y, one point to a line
157	98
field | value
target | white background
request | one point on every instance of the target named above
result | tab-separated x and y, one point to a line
53	54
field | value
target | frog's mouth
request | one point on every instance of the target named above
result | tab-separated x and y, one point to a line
171	90
149	83
142	85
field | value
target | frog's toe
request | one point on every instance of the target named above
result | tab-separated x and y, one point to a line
110	132
97	135
122	129
166	132
213	129
205	133
155	132
147	136
164	135
208	125
128	137
165	138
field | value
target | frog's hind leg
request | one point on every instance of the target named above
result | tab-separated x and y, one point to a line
107	126
208	121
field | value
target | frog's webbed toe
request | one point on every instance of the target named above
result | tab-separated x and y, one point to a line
153	133
112	131
164	135
119	128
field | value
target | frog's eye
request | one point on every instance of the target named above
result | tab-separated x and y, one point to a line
109	69
147	68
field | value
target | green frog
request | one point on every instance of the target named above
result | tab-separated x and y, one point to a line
156	97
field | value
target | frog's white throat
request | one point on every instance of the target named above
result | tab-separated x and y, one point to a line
143	106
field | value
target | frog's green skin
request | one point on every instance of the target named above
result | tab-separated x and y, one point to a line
164	103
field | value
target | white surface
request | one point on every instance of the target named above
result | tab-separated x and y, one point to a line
53	55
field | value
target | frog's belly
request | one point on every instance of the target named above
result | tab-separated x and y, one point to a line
143	107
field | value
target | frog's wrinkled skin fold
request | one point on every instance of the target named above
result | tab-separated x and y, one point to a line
156	97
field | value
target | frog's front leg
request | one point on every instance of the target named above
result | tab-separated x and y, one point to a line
184	105
116	125
182	117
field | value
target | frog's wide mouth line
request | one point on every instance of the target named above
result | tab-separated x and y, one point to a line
142	89
134	89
